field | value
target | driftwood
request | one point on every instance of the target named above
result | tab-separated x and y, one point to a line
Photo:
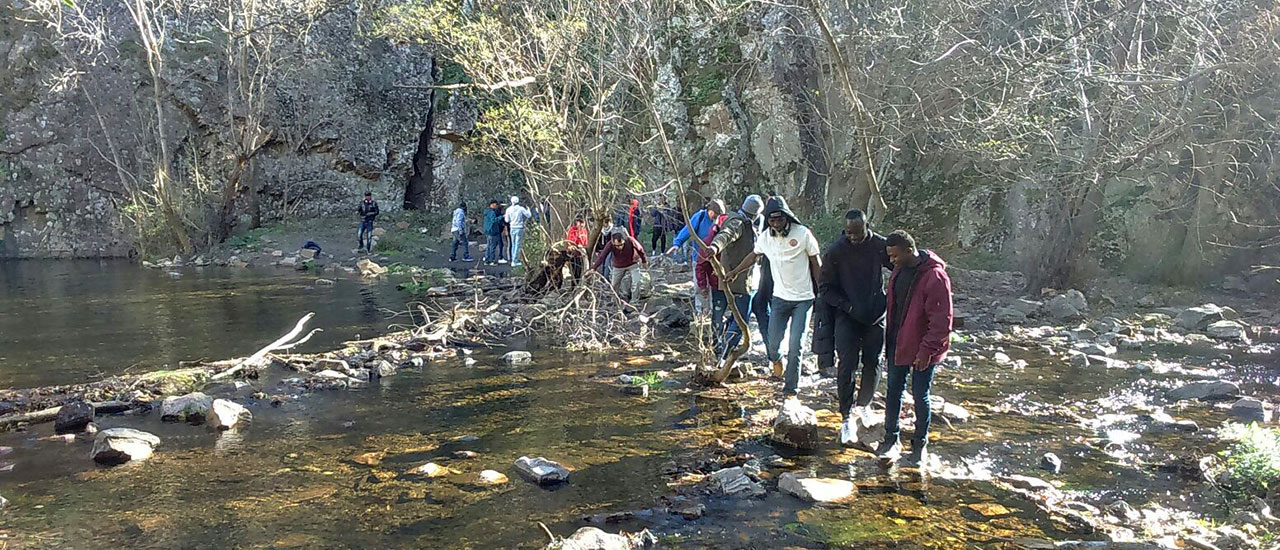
49	414
281	343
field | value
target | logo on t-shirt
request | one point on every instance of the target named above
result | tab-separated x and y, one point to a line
794	242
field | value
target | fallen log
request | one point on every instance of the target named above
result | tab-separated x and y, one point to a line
280	343
48	415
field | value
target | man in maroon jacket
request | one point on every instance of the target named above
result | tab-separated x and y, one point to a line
628	259
917	338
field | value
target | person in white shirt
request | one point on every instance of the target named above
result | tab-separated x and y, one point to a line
516	217
794	260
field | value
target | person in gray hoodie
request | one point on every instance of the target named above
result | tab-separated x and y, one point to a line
735	239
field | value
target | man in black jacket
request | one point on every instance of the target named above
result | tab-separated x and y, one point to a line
368	212
852	284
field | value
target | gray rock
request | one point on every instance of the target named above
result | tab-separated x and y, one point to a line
1028	308
591	538
672	317
307	253
1094	348
73	417
1200	317
330	364
1162	422
734	481
192	407
496	321
518	358
1060	309
225	414
1051	462
1011	316
1228	330
120	445
817	489
1249	409
541	470
1123	510
3	502
1205	390
383	368
1077	359
866	432
1077	300
1028	483
796	426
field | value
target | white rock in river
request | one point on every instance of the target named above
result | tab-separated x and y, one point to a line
518	357
817	489
591	538
541	470
1197	318
120	445
491	477
1228	330
226	414
796	426
190	407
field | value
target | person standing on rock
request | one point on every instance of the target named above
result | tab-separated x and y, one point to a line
628	259
459	231
852	286
701	222
368	211
493	252
735	239
516	217
794	259
661	216
917	338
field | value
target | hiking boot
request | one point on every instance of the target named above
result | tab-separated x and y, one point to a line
777	369
889	450
919	455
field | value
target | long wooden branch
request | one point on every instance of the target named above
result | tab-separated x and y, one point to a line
280	343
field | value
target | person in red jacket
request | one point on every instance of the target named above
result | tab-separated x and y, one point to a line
917	338
578	233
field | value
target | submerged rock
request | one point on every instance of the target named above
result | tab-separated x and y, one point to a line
1051	462
817	489
73	417
518	357
226	414
120	445
591	538
1028	483
541	470
796	426
672	317
1250	409
192	407
1204	390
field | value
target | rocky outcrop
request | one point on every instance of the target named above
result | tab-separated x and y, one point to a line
120	445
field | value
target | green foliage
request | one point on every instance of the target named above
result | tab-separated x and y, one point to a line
651	379
1251	464
250	240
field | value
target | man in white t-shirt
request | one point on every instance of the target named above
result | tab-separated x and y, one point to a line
516	216
794	262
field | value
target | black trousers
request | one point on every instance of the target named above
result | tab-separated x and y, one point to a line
857	344
659	236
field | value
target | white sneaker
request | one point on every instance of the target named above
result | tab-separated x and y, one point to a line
848	433
502	261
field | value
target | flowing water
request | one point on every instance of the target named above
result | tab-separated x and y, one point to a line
288	480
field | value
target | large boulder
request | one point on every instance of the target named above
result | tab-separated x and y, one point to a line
225	414
591	538
1200	317
1250	409
796	426
1228	330
541	470
73	417
192	407
120	445
1206	390
1061	308
817	489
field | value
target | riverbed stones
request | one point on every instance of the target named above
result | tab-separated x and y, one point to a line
382	368
796	426
1250	409
1204	390
430	470
518	358
73	417
330	364
1010	316
542	471
1028	483
592	538
1095	348
1162	422
1228	330
734	482
867	430
817	489
192	407
491	477
225	414
1067	306
1051	462
120	445
1200	317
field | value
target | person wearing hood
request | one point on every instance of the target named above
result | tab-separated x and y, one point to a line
628	258
852	289
516	216
917	337
702	221
493	252
704	277
459	231
733	241
794	261
635	218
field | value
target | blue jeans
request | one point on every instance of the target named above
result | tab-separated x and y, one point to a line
921	382
517	235
460	239
723	324
494	250
365	235
795	316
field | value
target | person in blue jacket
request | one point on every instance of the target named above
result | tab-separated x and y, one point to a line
702	221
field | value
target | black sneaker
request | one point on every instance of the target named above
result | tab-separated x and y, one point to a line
889	451
919	454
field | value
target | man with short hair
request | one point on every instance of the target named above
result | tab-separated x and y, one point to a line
516	216
493	252
628	258
459	231
852	286
368	211
917	338
792	251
